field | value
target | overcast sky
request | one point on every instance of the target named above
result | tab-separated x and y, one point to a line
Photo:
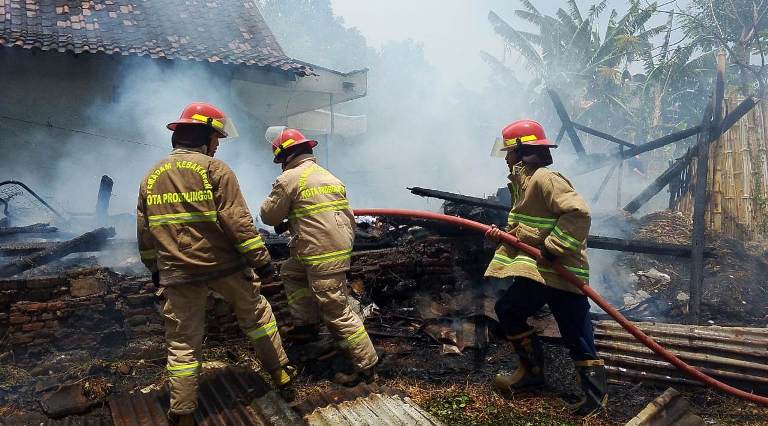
452	31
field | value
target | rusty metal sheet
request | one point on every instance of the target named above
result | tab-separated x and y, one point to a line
231	396
735	355
669	409
374	410
338	395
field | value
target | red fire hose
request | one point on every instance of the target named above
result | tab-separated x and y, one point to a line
588	291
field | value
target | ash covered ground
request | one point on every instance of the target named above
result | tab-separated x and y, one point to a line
77	325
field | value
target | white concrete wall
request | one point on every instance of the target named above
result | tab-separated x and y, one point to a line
129	100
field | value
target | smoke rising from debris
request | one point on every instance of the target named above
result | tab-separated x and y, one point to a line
426	128
122	133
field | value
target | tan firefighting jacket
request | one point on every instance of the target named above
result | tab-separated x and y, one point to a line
319	217
546	212
193	222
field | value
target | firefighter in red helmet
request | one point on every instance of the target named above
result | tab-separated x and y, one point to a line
196	234
314	205
547	213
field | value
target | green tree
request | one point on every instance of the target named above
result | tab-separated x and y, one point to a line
308	30
740	28
567	52
592	68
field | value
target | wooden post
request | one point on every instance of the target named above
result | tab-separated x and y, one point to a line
567	124
102	202
673	171
710	126
607	177
560	135
619	180
601	135
699	208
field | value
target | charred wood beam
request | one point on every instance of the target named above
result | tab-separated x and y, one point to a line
675	169
567	123
602	135
641	246
593	241
711	125
660	142
458	198
72	246
105	193
659	183
600	190
744	107
38	228
24	249
560	135
700	198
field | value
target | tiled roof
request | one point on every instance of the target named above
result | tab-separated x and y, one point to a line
227	31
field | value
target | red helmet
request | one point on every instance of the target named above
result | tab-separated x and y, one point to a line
201	113
524	132
288	138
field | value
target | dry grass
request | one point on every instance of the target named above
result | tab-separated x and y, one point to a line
11	375
97	389
9	411
725	410
477	404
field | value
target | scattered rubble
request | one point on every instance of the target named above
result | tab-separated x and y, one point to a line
735	283
669	409
420	287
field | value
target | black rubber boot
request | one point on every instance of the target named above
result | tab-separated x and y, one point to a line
180	419
303	334
367	375
530	370
593	382
282	379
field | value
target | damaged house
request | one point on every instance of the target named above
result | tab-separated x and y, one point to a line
99	80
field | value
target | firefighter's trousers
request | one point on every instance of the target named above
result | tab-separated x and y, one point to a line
571	311
184	312
324	298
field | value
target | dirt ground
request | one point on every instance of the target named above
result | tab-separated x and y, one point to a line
454	388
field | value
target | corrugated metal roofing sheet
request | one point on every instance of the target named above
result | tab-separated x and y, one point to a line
232	396
375	409
227	31
736	355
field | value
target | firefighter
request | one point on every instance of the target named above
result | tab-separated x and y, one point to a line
196	234
312	204
546	213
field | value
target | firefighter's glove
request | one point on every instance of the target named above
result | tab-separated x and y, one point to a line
494	233
266	273
281	227
156	278
548	255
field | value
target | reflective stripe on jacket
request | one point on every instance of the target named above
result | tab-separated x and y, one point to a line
320	220
546	212
193	222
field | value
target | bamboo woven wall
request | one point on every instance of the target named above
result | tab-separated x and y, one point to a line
738	179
